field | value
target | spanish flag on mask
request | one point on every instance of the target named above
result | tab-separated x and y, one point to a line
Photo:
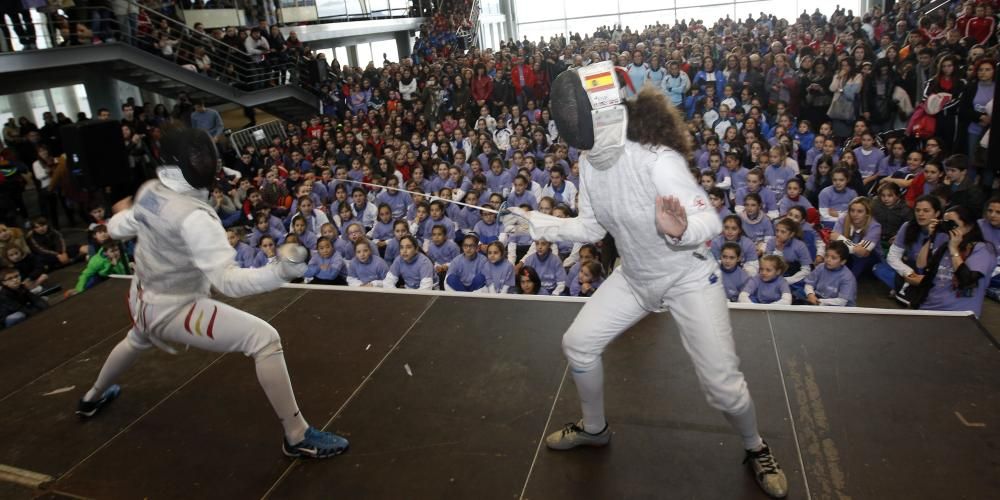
599	82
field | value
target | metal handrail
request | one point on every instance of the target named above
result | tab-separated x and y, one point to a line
228	64
469	34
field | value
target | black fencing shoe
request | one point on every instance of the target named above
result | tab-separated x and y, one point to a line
766	471
573	435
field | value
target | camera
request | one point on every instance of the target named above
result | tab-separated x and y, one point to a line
946	226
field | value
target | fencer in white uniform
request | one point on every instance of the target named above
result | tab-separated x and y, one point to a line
635	185
181	253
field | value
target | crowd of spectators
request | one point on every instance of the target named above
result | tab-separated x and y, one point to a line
835	148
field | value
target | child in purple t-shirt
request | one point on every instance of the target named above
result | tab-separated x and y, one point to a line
734	277
769	286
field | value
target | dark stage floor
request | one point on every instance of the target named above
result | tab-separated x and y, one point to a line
448	397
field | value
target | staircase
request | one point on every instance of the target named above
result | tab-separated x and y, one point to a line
233	78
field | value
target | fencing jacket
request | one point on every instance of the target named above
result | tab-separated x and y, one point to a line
621	200
181	248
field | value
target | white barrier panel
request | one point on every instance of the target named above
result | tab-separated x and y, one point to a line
546	298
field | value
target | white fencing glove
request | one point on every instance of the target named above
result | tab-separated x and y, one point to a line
291	263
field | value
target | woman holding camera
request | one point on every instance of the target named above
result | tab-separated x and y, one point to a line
963	266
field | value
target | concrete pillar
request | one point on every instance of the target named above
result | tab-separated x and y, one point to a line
70	106
403	46
20	105
102	92
352	55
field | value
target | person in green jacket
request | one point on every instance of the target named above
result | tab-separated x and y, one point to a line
107	261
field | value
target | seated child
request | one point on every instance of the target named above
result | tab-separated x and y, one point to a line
890	211
341	244
586	254
734	277
302	234
832	284
245	254
528	282
590	278
109	260
815	244
441	250
489	230
382	231
756	225
732	232
769	286
366	269
262	227
17	303
793	197
788	244
413	268
548	268
50	247
96	237
32	273
467	272
400	228
267	251
499	272
326	267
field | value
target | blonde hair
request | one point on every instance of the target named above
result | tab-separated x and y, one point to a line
849	228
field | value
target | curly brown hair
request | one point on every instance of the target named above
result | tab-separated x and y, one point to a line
654	121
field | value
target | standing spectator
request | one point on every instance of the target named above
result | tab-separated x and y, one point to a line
258	48
207	119
523	78
947	81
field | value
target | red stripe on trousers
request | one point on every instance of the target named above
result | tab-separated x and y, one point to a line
187	319
211	322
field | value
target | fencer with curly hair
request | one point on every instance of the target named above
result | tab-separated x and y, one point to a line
635	185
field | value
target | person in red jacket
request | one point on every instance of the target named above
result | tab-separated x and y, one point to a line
981	27
523	78
482	86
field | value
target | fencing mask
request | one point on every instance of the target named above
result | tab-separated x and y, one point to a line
193	151
587	108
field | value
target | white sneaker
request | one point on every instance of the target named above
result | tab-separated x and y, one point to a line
766	471
573	435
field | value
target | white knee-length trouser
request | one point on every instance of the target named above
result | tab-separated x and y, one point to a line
702	316
203	323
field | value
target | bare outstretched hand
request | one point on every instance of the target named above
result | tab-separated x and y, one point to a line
671	218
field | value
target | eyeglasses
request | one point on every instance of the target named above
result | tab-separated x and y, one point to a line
466	245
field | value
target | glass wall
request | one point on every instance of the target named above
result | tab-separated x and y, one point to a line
554	17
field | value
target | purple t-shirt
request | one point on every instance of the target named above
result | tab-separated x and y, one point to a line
549	269
872	234
777	176
786	203
414	271
733	281
747	248
766	197
766	292
837	200
945	297
834	284
868	164
467	269
500	274
374	270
